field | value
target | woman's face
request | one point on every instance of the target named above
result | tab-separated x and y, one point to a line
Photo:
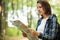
40	9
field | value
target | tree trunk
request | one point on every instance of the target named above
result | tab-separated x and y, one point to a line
1	36
3	23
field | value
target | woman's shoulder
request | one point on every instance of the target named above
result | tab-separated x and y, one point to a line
52	16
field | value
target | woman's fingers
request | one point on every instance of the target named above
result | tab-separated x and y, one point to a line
33	32
30	30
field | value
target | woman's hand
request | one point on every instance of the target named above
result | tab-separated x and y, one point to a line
33	32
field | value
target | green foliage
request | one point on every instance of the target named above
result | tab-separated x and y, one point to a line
58	18
13	31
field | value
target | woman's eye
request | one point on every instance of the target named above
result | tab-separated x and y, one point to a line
40	7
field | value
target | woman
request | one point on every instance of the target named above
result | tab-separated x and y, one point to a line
47	23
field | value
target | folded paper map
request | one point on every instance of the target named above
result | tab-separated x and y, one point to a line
20	25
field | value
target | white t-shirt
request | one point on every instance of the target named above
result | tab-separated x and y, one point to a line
42	26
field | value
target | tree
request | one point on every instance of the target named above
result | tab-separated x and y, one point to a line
1	35
3	23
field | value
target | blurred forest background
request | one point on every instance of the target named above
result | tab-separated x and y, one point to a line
15	9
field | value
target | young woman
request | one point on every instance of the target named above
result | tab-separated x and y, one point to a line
47	23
